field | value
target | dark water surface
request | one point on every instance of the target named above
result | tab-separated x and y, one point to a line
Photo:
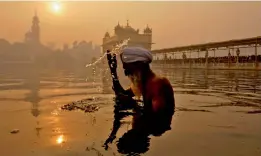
217	113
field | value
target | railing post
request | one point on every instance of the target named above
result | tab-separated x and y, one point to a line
238	53
184	57
190	59
214	50
206	57
256	61
229	57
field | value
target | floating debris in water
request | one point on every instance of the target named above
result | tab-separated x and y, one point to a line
254	112
14	131
83	105
250	112
193	110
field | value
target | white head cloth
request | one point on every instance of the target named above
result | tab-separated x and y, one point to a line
136	54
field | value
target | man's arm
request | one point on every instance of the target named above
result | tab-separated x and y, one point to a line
118	89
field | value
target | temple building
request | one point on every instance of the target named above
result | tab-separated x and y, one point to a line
122	33
33	35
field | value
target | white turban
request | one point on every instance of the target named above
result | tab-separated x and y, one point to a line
136	54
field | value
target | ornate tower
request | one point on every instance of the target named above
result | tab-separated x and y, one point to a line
35	28
106	80
33	35
148	32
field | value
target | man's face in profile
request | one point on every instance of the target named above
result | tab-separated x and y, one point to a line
128	69
132	71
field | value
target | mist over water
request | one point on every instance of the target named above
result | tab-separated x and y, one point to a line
36	96
36	88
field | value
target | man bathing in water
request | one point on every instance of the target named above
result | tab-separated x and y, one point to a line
158	98
157	92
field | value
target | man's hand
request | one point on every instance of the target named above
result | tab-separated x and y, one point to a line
112	61
125	102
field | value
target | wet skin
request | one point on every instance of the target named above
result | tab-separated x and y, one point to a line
157	92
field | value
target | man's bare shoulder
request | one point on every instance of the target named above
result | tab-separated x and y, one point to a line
160	83
160	80
162	94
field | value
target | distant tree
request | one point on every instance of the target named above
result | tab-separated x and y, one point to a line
51	45
65	47
75	44
4	42
4	46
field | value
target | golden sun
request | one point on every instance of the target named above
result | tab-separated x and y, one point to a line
56	7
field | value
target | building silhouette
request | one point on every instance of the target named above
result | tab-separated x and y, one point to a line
33	35
122	33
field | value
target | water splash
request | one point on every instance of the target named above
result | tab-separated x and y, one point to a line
116	50
99	74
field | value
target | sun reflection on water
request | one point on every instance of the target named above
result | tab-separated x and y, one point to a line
55	112
60	139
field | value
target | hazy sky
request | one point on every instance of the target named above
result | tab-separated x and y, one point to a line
173	23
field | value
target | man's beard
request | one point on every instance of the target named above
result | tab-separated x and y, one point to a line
135	84
135	79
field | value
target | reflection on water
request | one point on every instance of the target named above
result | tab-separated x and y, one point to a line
60	139
224	80
38	129
137	139
32	83
34	86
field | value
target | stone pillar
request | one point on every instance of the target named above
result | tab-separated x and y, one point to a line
214	51
238	53
256	61
199	61
229	57
173	59
206	58
165	59
190	59
184	57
